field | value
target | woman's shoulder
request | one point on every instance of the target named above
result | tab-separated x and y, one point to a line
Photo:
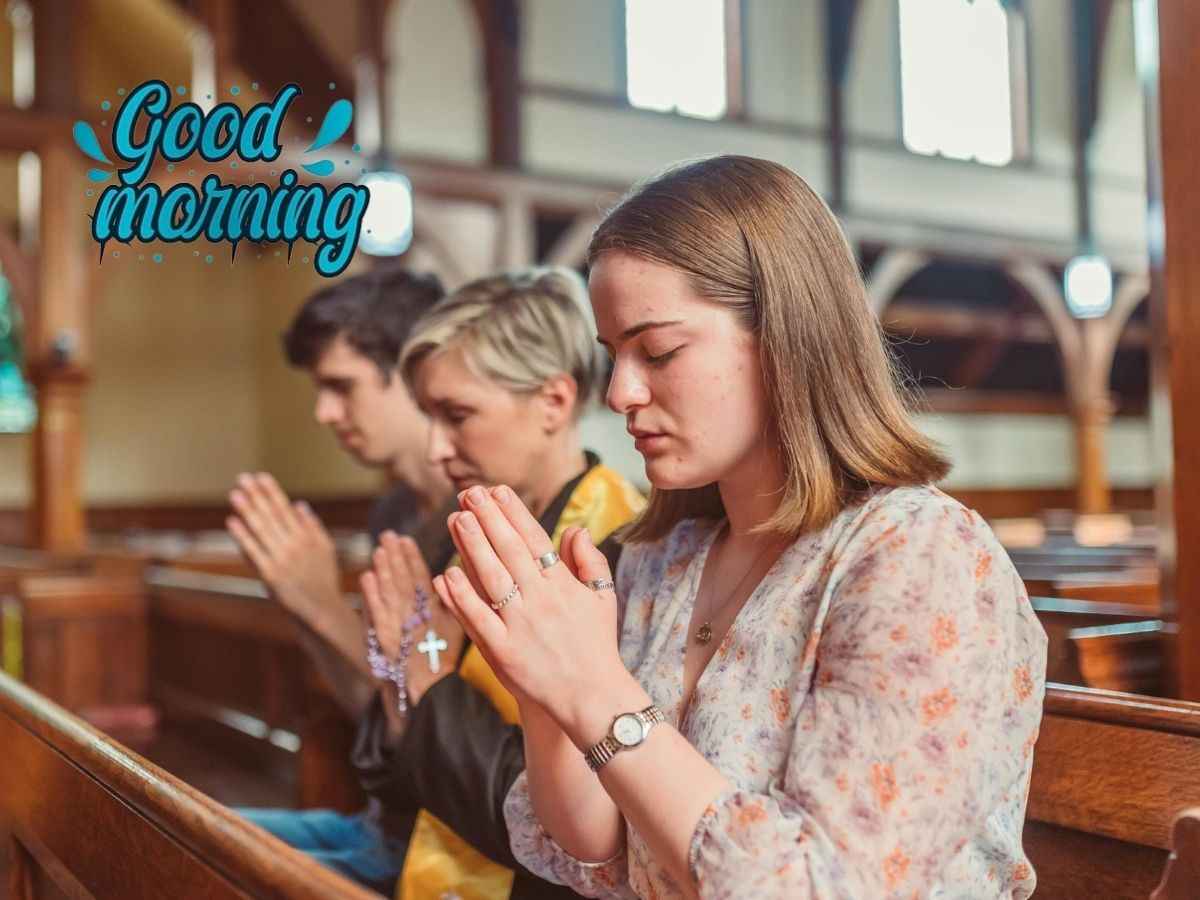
918	520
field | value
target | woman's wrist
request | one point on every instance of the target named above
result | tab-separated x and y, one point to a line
587	712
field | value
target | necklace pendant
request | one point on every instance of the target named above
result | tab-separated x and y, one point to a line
704	633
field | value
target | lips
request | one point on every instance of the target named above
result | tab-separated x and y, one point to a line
648	441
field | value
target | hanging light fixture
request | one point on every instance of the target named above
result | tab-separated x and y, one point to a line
1088	285
387	225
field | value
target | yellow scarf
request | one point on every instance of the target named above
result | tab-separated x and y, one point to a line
438	860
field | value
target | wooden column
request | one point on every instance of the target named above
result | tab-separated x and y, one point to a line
1093	493
60	354
500	39
1175	299
59	346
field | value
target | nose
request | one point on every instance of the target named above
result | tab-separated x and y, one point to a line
626	389
328	410
440	448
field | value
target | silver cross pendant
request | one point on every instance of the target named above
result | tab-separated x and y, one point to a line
432	647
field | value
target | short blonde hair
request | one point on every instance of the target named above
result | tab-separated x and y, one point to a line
753	237
517	329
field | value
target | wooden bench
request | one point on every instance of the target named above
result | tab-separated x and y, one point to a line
90	819
1061	616
1131	587
1111	773
225	662
1124	657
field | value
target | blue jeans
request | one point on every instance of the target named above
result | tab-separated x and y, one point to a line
352	845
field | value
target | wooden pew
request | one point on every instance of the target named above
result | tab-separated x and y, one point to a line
1182	875
83	638
225	662
1111	772
90	819
1061	616
1131	587
1124	657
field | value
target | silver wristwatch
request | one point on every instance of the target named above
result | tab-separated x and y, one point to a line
628	731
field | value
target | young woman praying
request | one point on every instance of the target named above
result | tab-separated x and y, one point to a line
817	676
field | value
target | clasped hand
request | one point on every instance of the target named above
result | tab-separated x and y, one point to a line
555	639
288	545
390	594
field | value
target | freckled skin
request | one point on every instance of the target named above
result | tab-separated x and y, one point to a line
708	397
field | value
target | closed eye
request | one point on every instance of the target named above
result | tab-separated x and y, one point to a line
662	357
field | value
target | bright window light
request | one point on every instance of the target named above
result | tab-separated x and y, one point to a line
675	56
387	225
1088	284
955	81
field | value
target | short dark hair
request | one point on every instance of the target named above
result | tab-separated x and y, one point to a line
374	312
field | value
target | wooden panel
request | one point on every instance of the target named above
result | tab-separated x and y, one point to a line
1060	616
1121	588
1071	865
1116	765
73	858
99	821
84	639
1016	503
1126	657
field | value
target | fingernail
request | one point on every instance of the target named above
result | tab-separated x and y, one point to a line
467	522
454	573
452	518
502	494
244	480
587	536
476	495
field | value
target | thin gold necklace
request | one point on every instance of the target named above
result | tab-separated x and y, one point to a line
704	634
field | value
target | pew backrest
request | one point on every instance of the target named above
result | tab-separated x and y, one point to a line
89	818
1111	772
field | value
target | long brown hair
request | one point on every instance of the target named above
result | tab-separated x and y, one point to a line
753	236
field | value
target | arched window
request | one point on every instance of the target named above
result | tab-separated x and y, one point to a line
675	56
962	79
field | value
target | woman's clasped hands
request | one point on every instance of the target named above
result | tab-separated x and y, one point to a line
553	639
401	606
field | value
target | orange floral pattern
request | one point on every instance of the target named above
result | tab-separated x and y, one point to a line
879	743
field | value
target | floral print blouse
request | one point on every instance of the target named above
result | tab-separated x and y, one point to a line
874	706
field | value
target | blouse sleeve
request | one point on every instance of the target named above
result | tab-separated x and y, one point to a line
916	736
541	855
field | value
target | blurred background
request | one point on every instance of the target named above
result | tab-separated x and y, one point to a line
972	150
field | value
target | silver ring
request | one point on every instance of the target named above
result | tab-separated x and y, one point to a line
546	560
601	584
508	598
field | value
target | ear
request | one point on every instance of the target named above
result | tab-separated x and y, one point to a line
557	397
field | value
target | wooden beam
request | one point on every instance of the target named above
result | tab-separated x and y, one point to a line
962	321
735	59
500	37
57	49
839	37
1173	94
1025	403
29	129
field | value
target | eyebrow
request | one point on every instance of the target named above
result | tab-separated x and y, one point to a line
639	328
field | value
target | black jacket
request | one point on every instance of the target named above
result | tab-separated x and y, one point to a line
457	758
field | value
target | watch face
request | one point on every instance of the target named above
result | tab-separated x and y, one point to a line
628	730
